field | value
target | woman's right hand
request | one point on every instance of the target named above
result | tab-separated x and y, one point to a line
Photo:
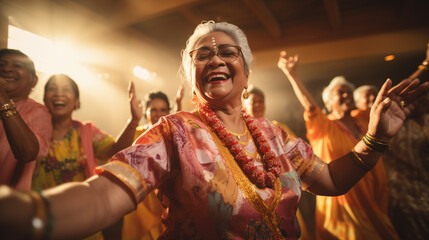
288	63
393	105
135	104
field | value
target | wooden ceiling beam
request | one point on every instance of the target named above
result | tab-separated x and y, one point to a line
102	26
135	11
191	15
263	13
333	12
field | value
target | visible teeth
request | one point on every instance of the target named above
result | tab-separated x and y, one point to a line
59	103
218	76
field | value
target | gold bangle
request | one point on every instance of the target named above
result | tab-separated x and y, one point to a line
38	223
375	144
378	140
8	106
363	165
423	67
425	63
7	114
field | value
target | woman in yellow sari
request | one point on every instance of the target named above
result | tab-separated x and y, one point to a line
145	223
362	212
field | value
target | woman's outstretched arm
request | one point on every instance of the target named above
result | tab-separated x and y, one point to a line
78	209
288	65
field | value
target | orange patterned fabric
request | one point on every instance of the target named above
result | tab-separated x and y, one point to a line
362	212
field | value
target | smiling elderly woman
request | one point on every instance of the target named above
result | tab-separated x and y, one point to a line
200	161
25	126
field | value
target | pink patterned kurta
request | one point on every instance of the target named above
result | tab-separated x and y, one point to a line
181	158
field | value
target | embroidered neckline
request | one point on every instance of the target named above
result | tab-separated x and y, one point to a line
271	164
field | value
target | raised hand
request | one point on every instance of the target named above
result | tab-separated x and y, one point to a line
179	97
135	103
180	93
393	105
288	63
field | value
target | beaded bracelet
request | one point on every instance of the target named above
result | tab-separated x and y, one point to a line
362	164
38	223
7	106
374	143
7	114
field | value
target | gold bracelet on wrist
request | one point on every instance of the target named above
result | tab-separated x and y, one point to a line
7	114
361	164
39	220
425	63
49	217
7	106
375	144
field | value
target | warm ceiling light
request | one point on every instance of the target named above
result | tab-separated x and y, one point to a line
389	58
141	73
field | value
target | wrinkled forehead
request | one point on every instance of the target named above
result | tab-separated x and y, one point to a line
214	40
341	88
25	61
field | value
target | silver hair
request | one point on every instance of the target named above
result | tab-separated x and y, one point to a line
327	91
208	27
359	90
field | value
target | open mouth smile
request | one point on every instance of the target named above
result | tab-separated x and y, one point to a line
217	77
59	104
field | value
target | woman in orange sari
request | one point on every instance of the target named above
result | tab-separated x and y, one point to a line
362	212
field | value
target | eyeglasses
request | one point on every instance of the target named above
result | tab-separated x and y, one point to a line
228	53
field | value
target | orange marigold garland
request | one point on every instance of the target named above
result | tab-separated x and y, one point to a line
272	167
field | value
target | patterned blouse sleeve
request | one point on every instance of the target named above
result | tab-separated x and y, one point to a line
142	166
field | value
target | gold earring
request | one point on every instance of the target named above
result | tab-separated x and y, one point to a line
245	94
194	98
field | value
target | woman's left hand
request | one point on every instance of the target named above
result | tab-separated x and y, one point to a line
393	105
135	103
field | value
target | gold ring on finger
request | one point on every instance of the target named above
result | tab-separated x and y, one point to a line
402	104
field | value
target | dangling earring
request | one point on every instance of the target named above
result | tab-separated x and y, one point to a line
194	97
245	94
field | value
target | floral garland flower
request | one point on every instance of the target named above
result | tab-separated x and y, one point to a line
272	167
